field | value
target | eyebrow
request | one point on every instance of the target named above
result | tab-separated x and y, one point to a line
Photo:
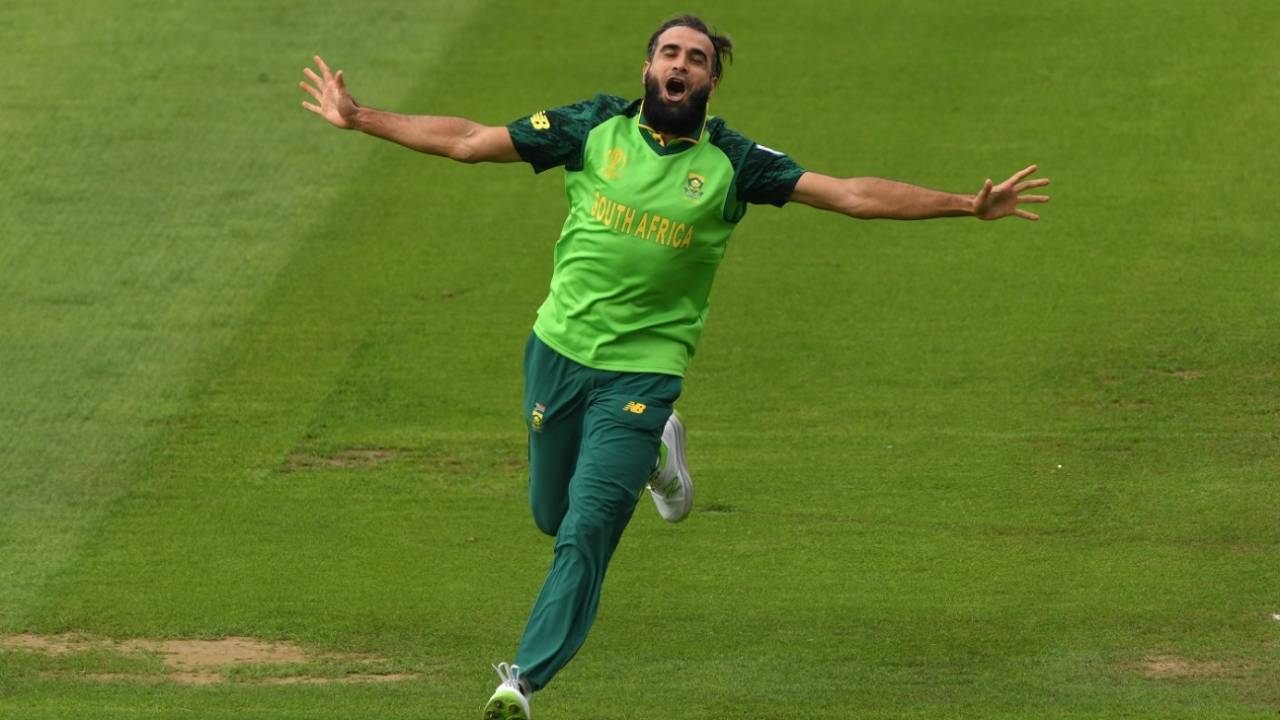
677	46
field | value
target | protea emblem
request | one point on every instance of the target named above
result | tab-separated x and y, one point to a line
693	186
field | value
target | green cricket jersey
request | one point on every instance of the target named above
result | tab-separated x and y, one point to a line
648	225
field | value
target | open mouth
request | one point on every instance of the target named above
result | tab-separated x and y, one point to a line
674	90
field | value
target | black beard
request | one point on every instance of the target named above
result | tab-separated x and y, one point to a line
682	120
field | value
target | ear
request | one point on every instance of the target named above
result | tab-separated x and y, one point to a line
715	83
644	71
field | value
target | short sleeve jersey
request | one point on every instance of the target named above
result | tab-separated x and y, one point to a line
648	225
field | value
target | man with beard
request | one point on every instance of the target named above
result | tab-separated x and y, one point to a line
656	187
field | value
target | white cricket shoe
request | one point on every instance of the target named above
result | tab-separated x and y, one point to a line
670	484
508	701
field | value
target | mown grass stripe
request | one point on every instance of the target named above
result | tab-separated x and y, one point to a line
152	219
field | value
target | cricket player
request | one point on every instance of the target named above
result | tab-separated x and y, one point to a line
656	187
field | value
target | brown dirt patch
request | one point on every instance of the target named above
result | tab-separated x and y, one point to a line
106	677
1176	666
194	655
351	458
195	662
1185	374
52	645
201	662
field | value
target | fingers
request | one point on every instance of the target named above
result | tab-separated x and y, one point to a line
314	92
341	85
313	77
1033	198
323	68
311	107
984	193
1041	182
1018	176
1026	215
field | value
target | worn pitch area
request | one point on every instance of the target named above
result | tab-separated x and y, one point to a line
206	662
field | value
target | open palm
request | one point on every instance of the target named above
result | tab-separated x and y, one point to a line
995	202
336	104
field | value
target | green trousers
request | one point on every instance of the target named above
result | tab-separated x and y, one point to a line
593	440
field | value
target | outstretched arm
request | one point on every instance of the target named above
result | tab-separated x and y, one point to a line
452	137
869	198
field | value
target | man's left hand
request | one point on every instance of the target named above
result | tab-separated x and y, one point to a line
995	202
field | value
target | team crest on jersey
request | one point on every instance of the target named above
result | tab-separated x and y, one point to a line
693	186
535	420
617	161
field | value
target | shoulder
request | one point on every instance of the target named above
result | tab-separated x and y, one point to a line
736	145
588	111
603	106
579	118
762	174
721	135
556	136
732	143
614	105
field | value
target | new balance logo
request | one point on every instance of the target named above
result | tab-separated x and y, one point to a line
540	121
635	407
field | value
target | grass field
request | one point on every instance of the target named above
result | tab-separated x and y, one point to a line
261	378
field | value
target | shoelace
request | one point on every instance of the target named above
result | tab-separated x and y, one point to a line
510	675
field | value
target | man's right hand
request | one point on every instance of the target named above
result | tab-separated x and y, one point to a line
452	137
336	104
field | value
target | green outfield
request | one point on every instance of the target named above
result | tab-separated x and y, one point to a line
260	378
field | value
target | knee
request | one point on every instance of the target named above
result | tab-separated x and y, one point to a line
592	538
592	523
548	520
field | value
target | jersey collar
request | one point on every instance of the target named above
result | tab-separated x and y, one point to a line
673	146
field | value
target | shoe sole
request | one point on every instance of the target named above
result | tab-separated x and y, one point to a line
500	708
676	447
